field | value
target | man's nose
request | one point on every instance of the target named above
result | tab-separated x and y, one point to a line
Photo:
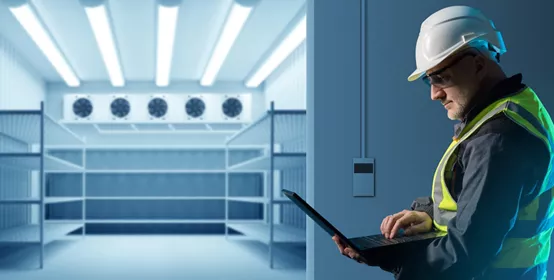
437	93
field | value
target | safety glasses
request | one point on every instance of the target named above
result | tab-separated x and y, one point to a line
443	80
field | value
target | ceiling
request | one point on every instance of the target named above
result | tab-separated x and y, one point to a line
134	26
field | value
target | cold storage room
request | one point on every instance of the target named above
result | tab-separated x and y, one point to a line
152	139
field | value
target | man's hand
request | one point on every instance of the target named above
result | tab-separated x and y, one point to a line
412	222
347	251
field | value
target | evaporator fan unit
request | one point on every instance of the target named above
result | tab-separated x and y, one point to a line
232	107
157	107
120	107
195	107
82	108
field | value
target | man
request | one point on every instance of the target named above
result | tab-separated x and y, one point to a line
492	190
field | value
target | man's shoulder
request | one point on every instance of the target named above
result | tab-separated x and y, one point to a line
504	126
501	130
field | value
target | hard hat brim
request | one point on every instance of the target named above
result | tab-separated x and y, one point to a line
418	73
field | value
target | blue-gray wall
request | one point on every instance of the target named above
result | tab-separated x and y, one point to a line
407	132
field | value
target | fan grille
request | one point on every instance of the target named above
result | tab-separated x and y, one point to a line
195	107
82	107
120	107
157	107
232	107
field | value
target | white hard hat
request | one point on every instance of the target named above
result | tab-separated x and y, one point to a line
449	30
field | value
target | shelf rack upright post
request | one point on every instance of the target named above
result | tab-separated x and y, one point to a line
30	128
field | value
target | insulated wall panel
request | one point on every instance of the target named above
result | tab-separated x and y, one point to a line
20	85
14	184
286	86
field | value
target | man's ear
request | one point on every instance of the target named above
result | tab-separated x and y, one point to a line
480	65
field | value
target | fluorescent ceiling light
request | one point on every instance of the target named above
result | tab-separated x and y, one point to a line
287	46
167	22
99	21
235	21
30	22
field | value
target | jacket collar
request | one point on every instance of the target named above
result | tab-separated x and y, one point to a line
502	89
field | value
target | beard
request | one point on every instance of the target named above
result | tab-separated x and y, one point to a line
459	108
457	111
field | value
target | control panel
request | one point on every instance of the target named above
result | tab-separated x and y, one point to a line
364	177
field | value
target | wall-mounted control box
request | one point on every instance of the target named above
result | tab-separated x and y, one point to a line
364	177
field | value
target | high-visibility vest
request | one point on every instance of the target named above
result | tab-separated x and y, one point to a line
528	243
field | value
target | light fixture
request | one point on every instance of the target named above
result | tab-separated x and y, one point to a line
285	48
233	25
24	13
99	20
167	22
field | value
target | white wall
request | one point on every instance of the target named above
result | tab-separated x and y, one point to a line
286	86
20	85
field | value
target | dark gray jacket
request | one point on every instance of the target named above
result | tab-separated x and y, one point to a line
498	167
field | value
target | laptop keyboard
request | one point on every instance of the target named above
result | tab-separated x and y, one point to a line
378	240
371	241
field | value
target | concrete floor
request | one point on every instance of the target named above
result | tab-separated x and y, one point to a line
154	257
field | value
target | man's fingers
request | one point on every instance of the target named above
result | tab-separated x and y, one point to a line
351	253
339	244
347	251
383	224
401	223
415	228
392	221
388	225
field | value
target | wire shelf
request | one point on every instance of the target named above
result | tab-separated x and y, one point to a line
31	131
283	135
34	200
265	200
261	232
31	161
31	233
24	126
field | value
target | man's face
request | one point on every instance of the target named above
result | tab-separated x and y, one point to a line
455	82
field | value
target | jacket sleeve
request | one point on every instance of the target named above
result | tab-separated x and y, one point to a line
498	170
423	204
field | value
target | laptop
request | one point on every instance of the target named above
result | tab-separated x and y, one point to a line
367	246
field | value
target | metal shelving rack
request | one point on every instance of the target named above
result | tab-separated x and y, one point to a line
35	130
275	127
91	171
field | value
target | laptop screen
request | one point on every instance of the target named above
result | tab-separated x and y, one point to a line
316	217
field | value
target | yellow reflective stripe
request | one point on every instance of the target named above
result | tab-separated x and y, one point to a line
524	252
440	193
482	117
448	204
441	227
